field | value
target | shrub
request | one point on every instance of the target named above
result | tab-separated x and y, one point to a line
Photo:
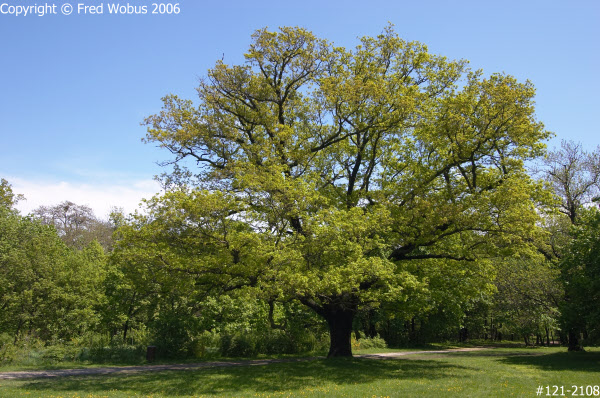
60	353
114	354
172	334
239	345
25	351
271	342
205	345
361	342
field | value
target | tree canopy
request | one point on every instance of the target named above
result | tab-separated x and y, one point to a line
317	173
46	289
8	199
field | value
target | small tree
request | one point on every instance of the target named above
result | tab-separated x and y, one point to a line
321	172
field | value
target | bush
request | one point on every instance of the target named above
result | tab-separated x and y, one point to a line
239	345
361	342
172	334
206	345
271	342
25	351
60	353
128	354
279	342
100	348
31	351
9	352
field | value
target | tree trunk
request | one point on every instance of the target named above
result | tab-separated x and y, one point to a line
339	317
463	335
574	341
485	329
339	321
125	329
372	330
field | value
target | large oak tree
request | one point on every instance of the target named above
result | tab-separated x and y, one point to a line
317	173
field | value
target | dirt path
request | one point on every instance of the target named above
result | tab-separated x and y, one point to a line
403	353
157	368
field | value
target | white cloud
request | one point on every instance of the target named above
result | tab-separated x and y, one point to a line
101	197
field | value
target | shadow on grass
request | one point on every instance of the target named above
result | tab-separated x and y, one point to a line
269	378
512	353
572	361
538	356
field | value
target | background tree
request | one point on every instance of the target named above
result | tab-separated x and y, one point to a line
322	172
574	174
8	199
139	293
435	309
580	275
76	224
47	291
527	298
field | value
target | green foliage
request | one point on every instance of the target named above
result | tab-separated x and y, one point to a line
33	352
527	297
114	354
271	342
88	348
8	199
362	342
46	290
172	333
24	351
580	273
206	345
325	182
321	173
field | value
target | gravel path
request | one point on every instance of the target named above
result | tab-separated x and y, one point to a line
157	368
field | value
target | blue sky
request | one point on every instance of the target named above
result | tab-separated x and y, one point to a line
74	89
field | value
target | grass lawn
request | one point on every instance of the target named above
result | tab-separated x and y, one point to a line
497	372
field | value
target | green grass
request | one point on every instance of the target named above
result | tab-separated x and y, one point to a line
65	364
499	372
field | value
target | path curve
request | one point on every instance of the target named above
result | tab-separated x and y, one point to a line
30	374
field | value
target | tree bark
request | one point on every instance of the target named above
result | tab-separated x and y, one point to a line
339	321
339	316
574	341
125	329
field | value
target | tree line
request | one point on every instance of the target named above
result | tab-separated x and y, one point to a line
317	193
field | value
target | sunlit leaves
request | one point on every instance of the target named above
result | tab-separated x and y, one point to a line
323	170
